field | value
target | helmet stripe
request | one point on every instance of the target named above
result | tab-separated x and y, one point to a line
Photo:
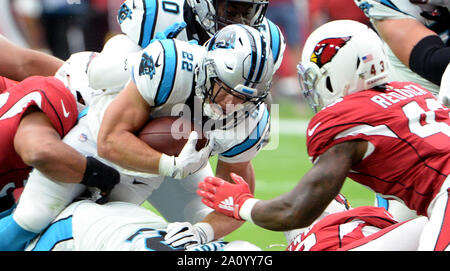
276	40
254	58
262	62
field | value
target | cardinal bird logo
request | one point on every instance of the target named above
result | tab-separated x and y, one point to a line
326	49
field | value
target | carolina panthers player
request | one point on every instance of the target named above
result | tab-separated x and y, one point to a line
167	76
230	82
415	33
141	20
416	37
115	226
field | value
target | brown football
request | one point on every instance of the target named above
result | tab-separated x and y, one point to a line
169	134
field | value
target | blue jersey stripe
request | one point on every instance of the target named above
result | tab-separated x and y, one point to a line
254	138
83	112
382	202
148	22
168	75
275	45
391	5
57	232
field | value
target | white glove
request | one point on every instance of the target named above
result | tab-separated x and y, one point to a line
188	235
188	161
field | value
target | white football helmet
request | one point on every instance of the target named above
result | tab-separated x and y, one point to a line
251	13
73	74
239	59
340	58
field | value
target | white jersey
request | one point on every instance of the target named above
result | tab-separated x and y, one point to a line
400	9
114	226
164	74
140	20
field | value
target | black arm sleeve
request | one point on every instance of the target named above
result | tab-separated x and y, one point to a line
429	58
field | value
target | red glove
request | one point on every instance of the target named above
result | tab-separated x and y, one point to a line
226	198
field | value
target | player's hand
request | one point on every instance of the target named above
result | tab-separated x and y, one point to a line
188	161
185	234
226	198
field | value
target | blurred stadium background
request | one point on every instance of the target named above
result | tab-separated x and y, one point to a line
63	27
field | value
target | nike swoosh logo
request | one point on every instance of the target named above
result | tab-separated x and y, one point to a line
138	182
312	130
22	103
157	64
66	114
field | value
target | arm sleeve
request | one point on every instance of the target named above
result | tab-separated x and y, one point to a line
429	58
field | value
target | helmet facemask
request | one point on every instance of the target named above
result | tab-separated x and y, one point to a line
234	76
216	14
212	90
307	78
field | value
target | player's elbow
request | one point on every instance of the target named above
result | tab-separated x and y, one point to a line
297	218
104	146
39	155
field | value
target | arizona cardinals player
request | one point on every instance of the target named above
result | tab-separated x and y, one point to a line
392	137
34	115
415	33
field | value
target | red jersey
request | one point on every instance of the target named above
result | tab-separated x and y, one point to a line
52	97
6	83
408	132
340	229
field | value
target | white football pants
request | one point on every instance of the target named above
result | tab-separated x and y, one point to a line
43	199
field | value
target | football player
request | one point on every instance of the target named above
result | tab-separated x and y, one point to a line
224	83
415	33
34	115
341	227
141	20
115	226
389	136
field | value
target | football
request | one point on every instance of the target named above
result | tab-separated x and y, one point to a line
169	134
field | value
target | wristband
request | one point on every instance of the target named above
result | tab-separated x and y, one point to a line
206	232
100	175
245	212
166	165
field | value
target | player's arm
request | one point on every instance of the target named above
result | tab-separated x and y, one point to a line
297	208
117	141
416	46
244	169
222	224
45	151
17	63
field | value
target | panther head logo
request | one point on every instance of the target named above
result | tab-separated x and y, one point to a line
124	13
147	65
326	49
